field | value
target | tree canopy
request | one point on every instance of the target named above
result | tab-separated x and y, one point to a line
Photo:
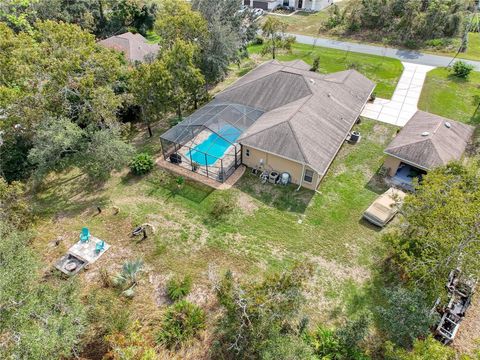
61	92
441	227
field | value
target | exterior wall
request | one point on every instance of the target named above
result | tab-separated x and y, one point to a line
392	164
313	5
280	164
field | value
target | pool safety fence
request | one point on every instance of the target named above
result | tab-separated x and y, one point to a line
219	170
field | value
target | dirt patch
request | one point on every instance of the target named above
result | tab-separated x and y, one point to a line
246	203
339	271
380	134
468	336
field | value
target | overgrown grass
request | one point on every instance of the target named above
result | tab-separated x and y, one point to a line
446	95
382	70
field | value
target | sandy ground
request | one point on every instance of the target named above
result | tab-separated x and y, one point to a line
468	336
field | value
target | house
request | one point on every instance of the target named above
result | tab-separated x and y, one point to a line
279	117
307	5
425	142
134	46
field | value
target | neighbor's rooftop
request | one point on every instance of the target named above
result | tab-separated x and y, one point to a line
134	46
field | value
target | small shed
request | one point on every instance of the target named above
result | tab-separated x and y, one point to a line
425	142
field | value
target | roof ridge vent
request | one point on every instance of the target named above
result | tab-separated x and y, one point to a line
425	133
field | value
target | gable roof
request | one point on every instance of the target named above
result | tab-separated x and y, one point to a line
134	46
429	140
307	115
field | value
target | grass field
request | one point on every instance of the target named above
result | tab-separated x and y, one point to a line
457	99
382	70
269	229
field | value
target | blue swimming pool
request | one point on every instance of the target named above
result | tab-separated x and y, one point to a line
214	146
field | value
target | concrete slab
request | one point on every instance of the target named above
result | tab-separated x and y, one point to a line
403	105
86	250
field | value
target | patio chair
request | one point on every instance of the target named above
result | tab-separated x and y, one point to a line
99	247
84	235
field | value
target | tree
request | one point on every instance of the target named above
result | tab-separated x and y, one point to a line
150	87
177	21
405	316
38	319
441	227
186	80
103	18
228	32
273	30
258	317
62	102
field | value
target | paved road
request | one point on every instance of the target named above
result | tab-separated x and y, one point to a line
410	56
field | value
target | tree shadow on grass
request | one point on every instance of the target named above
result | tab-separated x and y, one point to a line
67	196
284	198
377	182
170	186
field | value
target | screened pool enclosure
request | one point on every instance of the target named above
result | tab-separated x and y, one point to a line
206	141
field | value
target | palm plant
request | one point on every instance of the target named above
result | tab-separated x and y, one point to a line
127	279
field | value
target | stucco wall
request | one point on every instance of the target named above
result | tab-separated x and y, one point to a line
392	164
277	163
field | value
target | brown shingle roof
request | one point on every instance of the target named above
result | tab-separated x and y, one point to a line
134	46
307	116
429	140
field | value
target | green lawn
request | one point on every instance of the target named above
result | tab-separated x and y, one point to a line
311	24
382	70
269	229
454	98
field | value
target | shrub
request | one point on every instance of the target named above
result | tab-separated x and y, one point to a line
412	307
127	279
315	64
141	164
258	40
222	207
179	288
182	322
461	69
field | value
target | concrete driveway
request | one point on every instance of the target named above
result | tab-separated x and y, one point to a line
403	104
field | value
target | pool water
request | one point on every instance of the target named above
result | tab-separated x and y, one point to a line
214	146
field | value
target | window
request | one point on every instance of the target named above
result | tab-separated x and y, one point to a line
247	152
308	176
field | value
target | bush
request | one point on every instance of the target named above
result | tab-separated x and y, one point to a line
413	308
182	322
315	64
461	69
179	288
258	40
141	164
222	207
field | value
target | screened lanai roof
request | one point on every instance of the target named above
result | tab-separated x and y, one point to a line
218	117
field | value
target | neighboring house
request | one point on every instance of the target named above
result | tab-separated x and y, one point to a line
308	5
425	142
134	46
279	116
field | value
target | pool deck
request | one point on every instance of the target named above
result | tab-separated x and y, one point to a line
232	179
